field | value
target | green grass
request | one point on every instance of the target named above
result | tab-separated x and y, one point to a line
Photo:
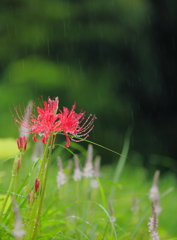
78	211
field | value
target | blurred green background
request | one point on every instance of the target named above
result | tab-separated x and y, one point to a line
115	58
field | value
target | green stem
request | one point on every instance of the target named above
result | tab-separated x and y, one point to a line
12	186
35	209
104	234
41	201
30	215
52	138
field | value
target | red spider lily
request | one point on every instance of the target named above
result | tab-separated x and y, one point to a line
44	123
48	121
69	123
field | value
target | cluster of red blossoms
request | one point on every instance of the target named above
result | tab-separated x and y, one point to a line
49	121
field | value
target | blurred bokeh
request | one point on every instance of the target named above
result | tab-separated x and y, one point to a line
115	58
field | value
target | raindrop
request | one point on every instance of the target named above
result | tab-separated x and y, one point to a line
14	175
41	134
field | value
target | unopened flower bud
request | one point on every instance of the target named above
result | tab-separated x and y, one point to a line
22	143
37	183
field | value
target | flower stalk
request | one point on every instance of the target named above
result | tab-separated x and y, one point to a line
13	187
38	193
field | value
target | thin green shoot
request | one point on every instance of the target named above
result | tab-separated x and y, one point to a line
102	193
121	162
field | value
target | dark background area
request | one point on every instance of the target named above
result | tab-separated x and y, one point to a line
115	58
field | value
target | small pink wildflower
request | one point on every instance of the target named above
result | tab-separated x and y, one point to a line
61	177
88	168
48	121
77	172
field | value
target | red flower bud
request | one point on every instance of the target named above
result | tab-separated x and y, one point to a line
37	183
22	143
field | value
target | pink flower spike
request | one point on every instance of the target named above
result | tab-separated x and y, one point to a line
22	143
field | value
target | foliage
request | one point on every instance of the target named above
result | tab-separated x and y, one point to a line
76	210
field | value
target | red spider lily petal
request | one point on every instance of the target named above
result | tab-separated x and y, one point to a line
69	123
67	140
44	125
49	107
34	138
86	128
69	120
53	105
